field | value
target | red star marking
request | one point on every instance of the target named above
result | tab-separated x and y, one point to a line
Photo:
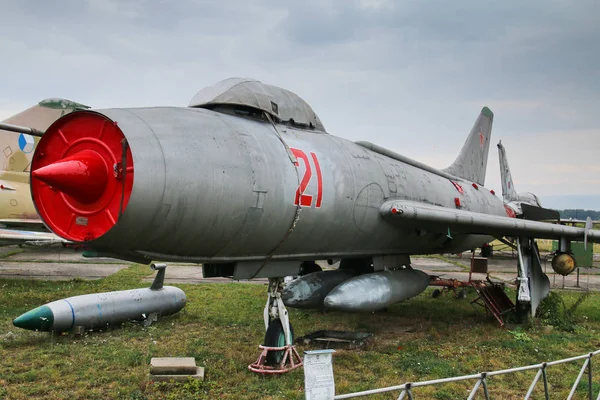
481	139
510	212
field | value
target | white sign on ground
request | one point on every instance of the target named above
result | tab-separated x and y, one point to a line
318	375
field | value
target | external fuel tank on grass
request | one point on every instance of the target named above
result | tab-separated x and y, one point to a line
99	310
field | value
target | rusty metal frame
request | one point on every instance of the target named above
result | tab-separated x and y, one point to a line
290	361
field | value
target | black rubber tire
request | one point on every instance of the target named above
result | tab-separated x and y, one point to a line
436	293
308	267
274	337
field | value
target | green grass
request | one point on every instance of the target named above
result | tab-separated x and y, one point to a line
222	325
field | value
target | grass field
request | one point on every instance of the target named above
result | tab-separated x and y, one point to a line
221	326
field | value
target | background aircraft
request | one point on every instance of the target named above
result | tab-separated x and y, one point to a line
525	204
17	214
247	181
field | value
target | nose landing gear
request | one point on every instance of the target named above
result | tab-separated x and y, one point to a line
278	354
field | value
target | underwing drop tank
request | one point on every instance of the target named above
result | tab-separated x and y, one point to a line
377	290
309	291
99	310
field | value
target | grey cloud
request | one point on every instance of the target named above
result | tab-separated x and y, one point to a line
409	75
487	45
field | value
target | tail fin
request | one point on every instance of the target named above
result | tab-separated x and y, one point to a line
159	279
16	148
471	163
508	189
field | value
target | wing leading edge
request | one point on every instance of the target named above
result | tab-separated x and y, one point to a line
10	237
478	223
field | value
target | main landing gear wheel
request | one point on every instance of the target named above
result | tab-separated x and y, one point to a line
275	337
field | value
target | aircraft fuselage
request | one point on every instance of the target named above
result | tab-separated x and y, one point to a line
215	187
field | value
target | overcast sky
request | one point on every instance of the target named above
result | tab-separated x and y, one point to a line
408	75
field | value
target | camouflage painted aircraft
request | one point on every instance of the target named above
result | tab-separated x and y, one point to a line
247	181
18	216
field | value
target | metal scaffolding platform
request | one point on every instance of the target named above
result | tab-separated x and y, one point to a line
491	296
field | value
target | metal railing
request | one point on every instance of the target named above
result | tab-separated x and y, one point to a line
407	388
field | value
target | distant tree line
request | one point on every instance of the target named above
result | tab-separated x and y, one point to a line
579	214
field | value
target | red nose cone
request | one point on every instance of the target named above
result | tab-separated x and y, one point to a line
82	176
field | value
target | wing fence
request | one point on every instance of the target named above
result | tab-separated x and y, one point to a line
406	390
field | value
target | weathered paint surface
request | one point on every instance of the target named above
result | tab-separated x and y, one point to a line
15	198
215	187
310	290
372	292
239	185
102	309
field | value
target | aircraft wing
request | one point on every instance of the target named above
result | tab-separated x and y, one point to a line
35	225
10	237
443	218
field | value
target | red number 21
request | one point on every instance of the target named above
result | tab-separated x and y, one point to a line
302	199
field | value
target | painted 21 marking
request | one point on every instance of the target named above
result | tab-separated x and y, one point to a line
303	199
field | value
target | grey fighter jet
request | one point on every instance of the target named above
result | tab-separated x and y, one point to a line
247	181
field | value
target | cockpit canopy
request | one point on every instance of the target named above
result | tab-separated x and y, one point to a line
250	95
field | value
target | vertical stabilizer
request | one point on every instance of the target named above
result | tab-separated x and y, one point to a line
159	279
508	188
471	163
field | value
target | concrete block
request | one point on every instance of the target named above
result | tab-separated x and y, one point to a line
198	375
173	366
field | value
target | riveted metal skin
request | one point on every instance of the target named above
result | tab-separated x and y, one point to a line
239	185
214	187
